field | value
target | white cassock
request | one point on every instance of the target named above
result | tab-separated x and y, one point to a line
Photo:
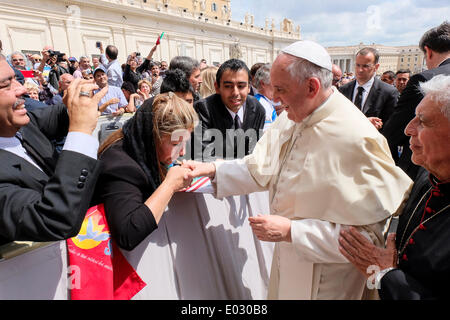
332	169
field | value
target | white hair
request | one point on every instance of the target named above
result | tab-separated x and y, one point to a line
302	69
262	76
15	53
438	88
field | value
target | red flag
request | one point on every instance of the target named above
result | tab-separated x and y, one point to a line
98	270
158	41
27	73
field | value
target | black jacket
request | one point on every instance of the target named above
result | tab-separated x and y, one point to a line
214	115
424	262
135	77
33	205
380	102
123	187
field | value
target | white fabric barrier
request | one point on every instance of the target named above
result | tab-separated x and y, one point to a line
203	248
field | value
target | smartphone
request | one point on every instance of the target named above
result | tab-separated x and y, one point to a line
98	44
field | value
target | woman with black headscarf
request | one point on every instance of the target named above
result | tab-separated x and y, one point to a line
138	177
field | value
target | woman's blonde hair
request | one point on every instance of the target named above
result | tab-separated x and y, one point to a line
167	115
31	87
144	81
207	87
170	114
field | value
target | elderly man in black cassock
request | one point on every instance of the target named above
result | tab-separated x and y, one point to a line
416	261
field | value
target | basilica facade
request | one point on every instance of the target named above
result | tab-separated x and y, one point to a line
202	29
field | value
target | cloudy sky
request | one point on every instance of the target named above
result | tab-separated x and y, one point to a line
349	22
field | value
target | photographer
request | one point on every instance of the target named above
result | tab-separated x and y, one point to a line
133	72
52	58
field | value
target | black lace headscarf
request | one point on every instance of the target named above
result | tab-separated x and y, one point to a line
139	143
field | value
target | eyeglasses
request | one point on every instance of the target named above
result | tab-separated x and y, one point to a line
15	60
364	66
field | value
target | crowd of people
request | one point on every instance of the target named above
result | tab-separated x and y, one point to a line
339	157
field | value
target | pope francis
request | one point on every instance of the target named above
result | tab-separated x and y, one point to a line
326	167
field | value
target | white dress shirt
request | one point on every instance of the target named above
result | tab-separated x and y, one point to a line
13	145
367	86
75	141
240	113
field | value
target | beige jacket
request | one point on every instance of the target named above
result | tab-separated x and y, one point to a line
332	169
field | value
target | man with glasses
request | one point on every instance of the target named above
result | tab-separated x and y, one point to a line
373	97
35	60
18	60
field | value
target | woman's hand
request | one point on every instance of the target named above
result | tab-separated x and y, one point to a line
178	178
200	169
143	95
134	95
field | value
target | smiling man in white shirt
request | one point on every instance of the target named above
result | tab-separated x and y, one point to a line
231	121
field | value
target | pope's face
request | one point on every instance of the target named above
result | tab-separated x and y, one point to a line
13	114
287	90
429	134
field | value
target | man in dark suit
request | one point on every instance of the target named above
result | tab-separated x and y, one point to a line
373	97
435	44
231	120
44	197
